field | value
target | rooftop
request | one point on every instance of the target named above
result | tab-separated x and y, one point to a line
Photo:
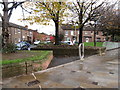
17	26
71	27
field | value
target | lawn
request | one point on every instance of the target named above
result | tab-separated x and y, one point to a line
22	56
98	44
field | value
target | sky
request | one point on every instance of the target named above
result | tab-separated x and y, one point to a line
18	14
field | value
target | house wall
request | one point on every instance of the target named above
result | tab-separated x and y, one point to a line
17	34
88	36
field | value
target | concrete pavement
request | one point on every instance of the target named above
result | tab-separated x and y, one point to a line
94	72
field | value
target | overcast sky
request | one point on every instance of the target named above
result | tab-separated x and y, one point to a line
18	14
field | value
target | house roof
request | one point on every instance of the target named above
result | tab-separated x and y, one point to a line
71	27
17	26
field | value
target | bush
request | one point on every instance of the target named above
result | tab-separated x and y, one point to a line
9	48
117	39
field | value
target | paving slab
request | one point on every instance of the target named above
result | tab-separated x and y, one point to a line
94	72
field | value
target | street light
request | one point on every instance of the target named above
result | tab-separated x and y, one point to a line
75	24
94	23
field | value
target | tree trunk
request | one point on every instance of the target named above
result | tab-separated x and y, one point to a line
113	35
80	25
56	33
5	22
80	35
95	36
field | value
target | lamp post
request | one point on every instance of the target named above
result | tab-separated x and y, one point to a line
94	23
74	24
95	34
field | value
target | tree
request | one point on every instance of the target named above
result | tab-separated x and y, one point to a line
44	12
109	20
84	10
7	12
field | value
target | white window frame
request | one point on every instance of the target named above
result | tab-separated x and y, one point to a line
15	30
19	31
72	32
86	32
66	32
67	39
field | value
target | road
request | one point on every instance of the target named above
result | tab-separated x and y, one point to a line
94	72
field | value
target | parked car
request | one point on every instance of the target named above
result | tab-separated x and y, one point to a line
36	42
47	42
67	42
22	46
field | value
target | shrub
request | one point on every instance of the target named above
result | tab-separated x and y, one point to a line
9	48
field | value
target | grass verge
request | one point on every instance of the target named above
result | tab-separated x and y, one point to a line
98	44
42	56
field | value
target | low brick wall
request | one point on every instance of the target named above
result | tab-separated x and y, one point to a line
70	50
75	51
16	69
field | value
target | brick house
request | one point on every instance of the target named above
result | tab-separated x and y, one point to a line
72	32
46	37
18	33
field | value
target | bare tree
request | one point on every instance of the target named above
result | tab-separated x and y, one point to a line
7	12
84	11
109	21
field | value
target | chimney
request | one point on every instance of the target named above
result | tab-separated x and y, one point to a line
26	26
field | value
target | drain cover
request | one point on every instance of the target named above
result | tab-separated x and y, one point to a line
31	83
95	83
111	73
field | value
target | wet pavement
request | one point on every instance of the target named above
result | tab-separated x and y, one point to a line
93	72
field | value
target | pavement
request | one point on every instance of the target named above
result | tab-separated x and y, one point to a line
93	72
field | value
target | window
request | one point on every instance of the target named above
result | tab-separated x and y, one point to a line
72	32
86	32
68	39
18	30
98	39
19	39
97	33
15	30
30	33
66	32
23	36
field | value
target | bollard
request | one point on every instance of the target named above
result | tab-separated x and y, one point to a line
81	51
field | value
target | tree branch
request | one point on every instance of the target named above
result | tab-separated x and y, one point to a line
50	11
76	8
10	13
15	5
1	16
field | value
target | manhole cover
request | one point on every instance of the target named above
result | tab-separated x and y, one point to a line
95	83
31	83
111	73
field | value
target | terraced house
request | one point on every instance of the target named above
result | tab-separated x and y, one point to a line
72	32
19	33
